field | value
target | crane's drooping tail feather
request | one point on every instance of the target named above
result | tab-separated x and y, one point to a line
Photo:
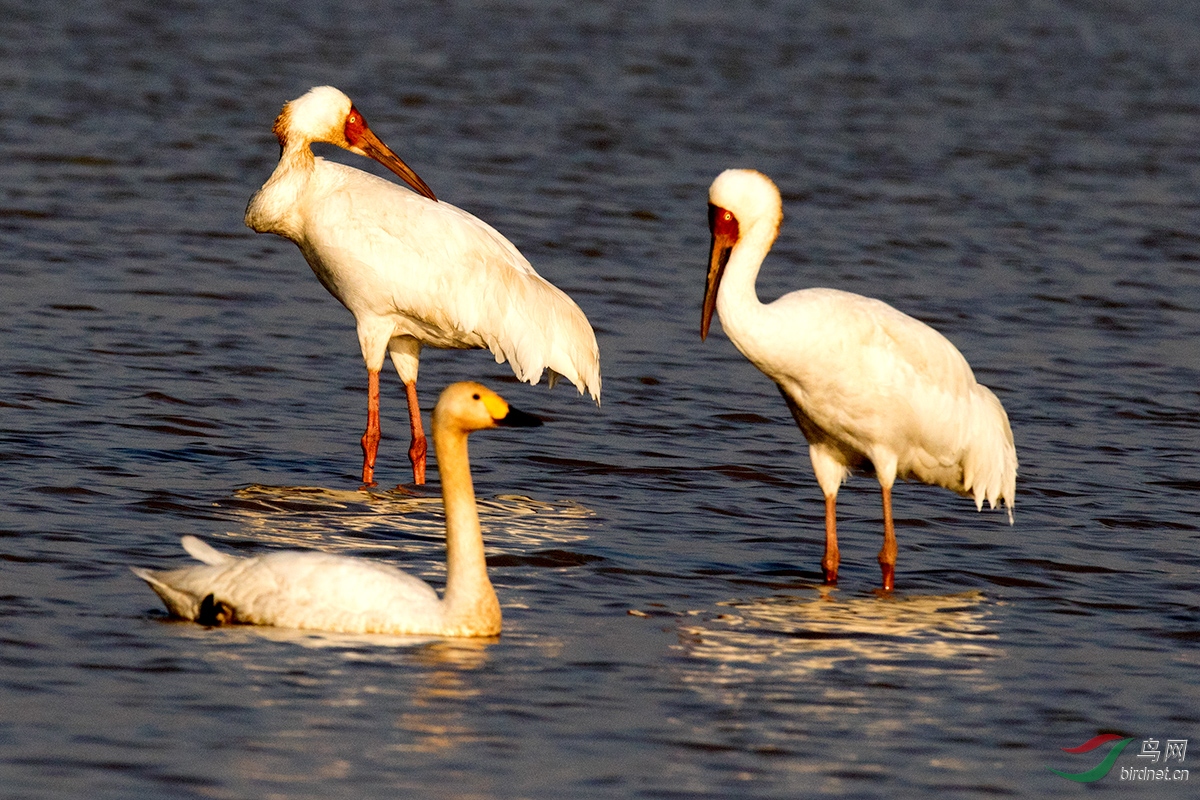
561	342
990	464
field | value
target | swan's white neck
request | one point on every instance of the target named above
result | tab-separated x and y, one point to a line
469	599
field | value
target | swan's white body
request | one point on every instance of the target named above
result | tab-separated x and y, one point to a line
321	591
306	590
870	387
413	271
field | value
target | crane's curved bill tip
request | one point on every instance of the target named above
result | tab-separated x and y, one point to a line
718	257
706	313
376	149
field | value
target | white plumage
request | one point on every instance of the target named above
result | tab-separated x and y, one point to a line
322	591
413	271
871	388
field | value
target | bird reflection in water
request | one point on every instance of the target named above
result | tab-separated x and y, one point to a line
433	683
790	638
339	520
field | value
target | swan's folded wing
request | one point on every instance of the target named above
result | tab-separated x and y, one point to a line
202	551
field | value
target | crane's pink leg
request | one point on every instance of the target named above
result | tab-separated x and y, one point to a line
370	439
887	555
418	448
832	558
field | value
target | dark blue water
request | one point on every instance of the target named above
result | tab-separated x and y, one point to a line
1024	176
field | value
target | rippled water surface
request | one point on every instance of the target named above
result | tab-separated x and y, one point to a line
1022	175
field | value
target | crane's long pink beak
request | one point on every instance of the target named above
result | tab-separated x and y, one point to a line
724	237
371	146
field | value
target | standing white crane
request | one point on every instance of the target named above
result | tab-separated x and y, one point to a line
870	387
413	271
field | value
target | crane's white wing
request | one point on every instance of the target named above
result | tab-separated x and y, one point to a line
873	381
446	277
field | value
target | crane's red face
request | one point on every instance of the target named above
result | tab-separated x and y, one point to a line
724	227
364	142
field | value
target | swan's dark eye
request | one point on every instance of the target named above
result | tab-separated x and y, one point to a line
475	396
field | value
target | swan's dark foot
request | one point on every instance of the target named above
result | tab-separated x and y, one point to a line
215	612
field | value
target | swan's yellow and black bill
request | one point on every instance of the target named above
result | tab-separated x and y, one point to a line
503	414
518	419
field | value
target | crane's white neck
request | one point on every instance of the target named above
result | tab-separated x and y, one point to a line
737	299
272	209
469	598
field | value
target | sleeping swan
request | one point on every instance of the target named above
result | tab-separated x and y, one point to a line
322	591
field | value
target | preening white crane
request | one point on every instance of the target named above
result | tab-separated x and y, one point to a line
322	591
871	388
413	271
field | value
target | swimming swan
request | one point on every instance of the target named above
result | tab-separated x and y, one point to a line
322	591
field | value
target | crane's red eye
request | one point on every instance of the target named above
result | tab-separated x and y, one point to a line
355	125
722	222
